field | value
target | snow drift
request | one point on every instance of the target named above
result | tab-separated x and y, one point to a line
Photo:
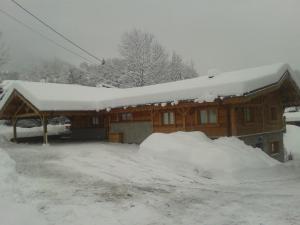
292	141
214	157
11	211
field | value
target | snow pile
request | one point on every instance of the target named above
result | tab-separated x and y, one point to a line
6	132
11	212
19	214
7	170
292	141
206	156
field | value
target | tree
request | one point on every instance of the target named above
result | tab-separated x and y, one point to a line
53	70
3	52
77	76
176	68
145	59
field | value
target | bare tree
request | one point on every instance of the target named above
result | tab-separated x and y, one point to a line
3	52
146	60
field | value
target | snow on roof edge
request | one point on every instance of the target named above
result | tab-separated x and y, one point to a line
199	89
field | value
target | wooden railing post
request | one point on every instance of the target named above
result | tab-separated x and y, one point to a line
14	123
45	132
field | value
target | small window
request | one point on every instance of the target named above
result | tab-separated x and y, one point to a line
274	147
126	116
208	116
95	121
248	114
203	117
274	113
212	116
168	118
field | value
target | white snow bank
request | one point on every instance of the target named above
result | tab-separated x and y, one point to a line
292	140
214	157
7	170
19	214
6	132
11	212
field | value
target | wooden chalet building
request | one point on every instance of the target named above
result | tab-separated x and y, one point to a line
248	104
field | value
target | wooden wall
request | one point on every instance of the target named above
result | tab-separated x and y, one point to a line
187	119
230	117
262	121
86	121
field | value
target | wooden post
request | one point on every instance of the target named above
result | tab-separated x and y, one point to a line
14	122
233	121
263	115
184	113
45	132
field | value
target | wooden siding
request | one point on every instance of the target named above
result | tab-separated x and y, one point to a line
86	122
262	110
187	119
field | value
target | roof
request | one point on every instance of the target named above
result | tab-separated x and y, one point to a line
67	97
292	116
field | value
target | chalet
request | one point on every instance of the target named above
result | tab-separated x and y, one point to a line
248	104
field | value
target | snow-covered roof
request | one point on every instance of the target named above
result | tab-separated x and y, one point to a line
62	97
292	116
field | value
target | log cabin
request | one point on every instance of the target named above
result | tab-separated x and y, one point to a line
248	104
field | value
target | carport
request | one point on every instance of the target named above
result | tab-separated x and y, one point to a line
23	101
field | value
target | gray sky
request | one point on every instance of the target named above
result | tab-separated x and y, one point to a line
221	34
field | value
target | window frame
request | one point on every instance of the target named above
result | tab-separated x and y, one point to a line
208	116
249	111
274	147
170	119
126	116
95	121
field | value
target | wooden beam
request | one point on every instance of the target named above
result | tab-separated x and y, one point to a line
233	121
45	132
19	108
14	122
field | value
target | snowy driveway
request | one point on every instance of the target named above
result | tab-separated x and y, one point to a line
99	183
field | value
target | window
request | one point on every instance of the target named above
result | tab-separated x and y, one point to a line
95	121
203	117
248	114
126	116
208	116
273	112
274	147
168	118
212	116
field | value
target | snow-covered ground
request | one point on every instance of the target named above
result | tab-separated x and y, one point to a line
103	183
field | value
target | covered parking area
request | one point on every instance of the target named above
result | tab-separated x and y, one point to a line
84	125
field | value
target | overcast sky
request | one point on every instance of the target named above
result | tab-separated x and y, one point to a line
215	34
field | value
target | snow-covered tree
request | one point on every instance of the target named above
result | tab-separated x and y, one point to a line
176	68
3	52
54	70
9	76
108	72
145	58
